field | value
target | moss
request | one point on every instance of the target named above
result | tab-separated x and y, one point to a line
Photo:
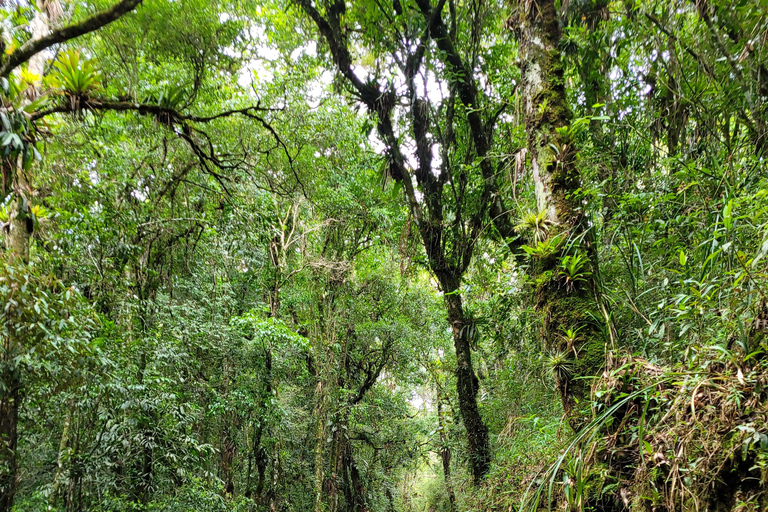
591	356
561	310
572	307
566	309
544	277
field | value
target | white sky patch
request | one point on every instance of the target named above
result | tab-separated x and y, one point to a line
423	401
259	69
269	53
437	159
416	401
416	192
317	89
140	193
409	152
431	88
309	49
254	71
376	144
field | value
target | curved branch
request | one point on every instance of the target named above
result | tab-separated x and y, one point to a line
181	124
466	88
145	109
32	47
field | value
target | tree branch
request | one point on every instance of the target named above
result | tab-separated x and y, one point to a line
377	101
653	19
461	80
145	109
63	34
181	125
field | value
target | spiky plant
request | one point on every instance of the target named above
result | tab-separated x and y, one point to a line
536	222
560	366
75	77
574	269
570	336
544	248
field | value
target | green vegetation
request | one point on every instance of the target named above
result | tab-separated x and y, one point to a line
418	256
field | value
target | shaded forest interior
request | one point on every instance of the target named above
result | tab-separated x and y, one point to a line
384	256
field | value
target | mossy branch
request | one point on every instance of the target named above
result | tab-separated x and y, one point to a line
64	34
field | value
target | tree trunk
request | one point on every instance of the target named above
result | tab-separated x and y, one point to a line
9	420
353	482
337	476
259	451
565	299
445	454
228	446
467	387
356	482
390	500
228	450
17	243
319	416
147	422
63	451
276	468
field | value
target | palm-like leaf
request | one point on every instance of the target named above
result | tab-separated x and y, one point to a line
537	222
74	75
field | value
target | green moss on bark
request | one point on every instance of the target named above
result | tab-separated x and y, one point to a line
563	306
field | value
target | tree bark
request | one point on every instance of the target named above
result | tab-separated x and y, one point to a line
563	303
276	468
467	386
445	454
17	244
228	451
9	420
60	459
37	44
319	416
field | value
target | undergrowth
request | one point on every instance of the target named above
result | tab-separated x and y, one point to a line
688	438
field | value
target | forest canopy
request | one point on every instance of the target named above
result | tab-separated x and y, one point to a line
384	256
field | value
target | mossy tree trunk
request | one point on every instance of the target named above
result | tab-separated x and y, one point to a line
565	297
259	450
18	235
9	420
445	453
64	451
319	414
324	338
467	386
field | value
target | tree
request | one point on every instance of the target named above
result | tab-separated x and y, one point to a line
566	268
456	195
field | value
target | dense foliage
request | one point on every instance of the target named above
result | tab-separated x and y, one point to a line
324	255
